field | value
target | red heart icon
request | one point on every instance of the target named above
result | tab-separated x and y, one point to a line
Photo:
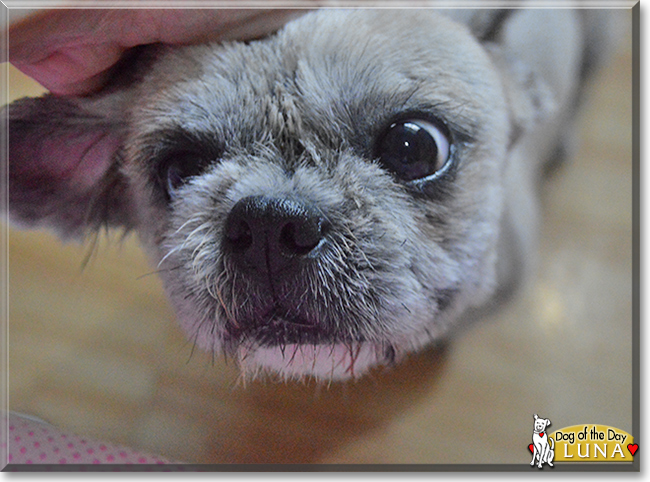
530	447
632	448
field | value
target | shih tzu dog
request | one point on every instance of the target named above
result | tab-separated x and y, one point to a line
331	197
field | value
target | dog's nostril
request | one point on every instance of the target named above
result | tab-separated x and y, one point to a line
300	238
239	236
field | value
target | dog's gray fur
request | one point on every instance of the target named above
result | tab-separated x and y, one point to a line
295	116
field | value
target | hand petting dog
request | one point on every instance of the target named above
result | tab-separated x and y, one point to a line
72	52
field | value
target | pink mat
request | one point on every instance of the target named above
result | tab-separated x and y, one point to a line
32	441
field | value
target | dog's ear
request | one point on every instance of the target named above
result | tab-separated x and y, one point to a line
529	98
64	162
65	153
535	417
548	422
539	67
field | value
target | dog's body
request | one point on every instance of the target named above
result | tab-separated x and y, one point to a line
331	197
543	450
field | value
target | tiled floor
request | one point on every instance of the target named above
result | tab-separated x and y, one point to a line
97	351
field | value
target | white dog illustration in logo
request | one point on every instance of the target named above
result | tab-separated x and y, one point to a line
542	449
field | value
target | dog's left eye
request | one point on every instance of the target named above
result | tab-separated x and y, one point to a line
413	149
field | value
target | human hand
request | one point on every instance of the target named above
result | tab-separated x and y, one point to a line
71	52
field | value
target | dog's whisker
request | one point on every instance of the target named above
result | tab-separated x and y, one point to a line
193	219
159	271
171	252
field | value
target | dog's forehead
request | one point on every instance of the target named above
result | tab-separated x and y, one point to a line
327	72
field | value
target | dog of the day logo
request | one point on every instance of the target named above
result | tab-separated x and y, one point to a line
543	445
580	443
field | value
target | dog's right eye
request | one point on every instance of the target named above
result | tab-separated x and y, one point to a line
178	167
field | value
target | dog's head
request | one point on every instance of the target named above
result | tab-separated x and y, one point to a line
540	424
319	202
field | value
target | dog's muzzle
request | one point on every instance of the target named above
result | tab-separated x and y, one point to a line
272	242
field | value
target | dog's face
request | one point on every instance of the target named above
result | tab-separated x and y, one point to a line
318	202
541	424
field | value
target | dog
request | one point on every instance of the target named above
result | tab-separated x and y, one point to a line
327	199
543	451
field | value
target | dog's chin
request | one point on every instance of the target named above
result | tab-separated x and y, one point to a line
337	361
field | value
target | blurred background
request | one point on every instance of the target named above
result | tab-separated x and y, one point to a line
95	350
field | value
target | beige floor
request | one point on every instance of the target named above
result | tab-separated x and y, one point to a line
97	350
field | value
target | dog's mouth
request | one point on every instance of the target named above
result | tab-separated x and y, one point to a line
293	345
278	327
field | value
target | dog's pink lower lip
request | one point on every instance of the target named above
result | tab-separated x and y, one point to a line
336	360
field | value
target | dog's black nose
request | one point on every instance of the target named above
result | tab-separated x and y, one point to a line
272	237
